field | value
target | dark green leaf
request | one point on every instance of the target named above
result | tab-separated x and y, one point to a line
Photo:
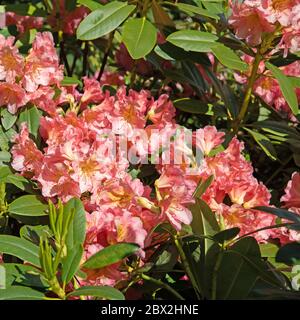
20	248
226	235
289	254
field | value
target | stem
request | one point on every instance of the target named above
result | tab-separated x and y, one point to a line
279	169
186	265
85	59
244	108
163	285
64	58
106	54
215	275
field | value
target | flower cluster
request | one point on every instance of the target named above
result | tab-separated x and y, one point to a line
28	79
79	161
252	20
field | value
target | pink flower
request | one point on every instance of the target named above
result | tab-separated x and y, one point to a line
23	23
12	95
207	139
291	198
161	110
11	62
26	156
250	22
42	63
92	92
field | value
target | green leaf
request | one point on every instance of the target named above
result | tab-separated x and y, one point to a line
7	119
202	187
268	250
25	275
139	36
76	233
105	292
34	233
197	10
204	222
70	263
7	176
31	116
92	5
5	156
3	140
289	254
28	205
21	248
286	86
229	58
233	273
20	293
264	143
192	40
70	81
226	235
192	106
110	255
104	20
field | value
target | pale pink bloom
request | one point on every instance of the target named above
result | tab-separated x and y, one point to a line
13	96
208	138
11	62
250	22
27	158
42	63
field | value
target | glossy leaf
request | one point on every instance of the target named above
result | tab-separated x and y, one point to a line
28	205
77	231
70	263
21	248
103	20
286	87
139	36
110	255
31	116
192	40
106	292
91	4
289	254
229	58
20	293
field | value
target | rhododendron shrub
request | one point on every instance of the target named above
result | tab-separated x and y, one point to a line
149	149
